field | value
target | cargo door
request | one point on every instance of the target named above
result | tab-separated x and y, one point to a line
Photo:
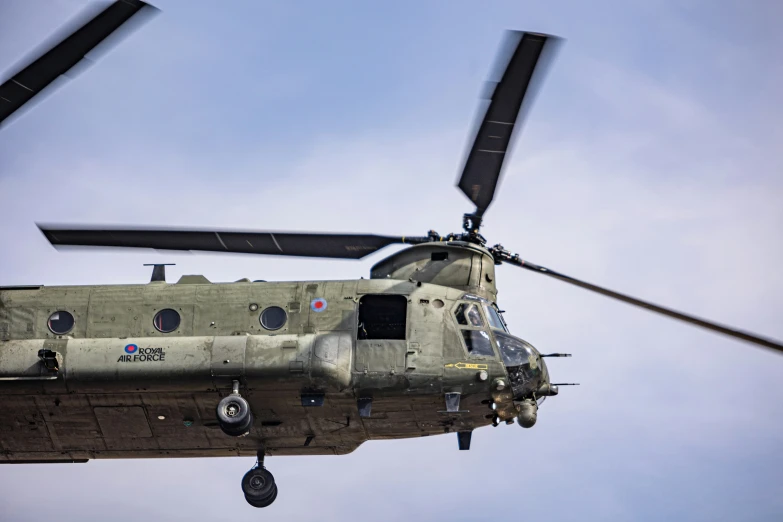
382	332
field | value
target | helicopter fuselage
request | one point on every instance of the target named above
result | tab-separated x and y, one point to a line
118	384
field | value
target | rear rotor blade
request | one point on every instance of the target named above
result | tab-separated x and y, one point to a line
484	163
347	246
709	325
31	80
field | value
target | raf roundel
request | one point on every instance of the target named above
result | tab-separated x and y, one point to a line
131	348
318	305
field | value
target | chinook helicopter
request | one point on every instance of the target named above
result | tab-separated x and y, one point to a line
255	368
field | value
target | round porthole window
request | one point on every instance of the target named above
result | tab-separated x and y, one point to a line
61	322
273	318
166	320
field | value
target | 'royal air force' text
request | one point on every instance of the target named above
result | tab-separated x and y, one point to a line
145	355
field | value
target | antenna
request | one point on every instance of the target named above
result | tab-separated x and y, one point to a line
158	271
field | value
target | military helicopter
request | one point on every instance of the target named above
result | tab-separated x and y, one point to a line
256	368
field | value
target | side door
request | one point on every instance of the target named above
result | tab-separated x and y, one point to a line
381	338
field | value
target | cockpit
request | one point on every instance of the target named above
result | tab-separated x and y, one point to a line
526	369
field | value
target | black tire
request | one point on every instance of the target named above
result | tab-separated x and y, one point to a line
258	485
238	431
263	503
234	415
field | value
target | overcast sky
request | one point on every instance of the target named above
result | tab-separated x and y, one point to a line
650	163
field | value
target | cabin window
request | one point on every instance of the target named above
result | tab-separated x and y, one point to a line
273	318
166	321
61	322
383	317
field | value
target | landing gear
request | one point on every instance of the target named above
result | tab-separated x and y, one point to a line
258	485
234	415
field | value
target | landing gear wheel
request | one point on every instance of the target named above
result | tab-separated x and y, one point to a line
258	483
263	503
234	415
259	487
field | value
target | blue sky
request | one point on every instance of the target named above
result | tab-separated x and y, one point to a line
650	163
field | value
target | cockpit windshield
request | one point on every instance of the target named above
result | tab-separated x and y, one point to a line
525	369
494	319
515	352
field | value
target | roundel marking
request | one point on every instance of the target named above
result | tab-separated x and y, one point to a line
318	305
131	348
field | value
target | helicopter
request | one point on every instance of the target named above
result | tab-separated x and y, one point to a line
295	368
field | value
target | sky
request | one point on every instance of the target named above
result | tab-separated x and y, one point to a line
650	163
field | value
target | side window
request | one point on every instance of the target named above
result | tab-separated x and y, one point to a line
472	329
467	314
383	317
166	320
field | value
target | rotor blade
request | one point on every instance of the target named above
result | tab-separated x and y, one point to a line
484	163
709	325
347	246
30	81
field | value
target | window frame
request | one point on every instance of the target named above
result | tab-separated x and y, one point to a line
261	318
59	311
166	332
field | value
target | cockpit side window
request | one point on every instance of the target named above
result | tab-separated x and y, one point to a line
459	314
472	329
477	342
469	315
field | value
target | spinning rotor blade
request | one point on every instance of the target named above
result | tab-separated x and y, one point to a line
484	163
58	60
347	246
709	325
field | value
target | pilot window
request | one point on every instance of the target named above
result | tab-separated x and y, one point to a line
477	342
468	315
494	319
471	322
383	317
